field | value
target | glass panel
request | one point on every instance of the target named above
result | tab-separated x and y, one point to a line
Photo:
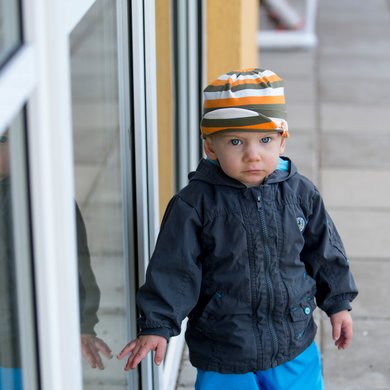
16	316
104	307
10	29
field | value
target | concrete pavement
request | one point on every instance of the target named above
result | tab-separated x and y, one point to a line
338	97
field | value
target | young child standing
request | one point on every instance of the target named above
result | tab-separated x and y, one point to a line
247	251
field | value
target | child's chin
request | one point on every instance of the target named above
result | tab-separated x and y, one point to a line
253	183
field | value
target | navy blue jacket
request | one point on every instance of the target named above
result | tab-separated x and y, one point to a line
248	267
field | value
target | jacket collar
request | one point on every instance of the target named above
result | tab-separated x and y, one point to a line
213	174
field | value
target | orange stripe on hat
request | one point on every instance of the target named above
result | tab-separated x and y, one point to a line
262	126
244	101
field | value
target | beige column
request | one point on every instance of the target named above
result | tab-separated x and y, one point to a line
231	35
164	102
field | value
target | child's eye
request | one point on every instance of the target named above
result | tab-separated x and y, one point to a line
266	140
235	142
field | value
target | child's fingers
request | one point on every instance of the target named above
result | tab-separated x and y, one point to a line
160	352
140	347
103	348
342	329
98	361
348	336
88	356
90	351
139	352
127	349
336	330
345	339
342	326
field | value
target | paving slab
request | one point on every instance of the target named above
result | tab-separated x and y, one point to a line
187	374
300	148
365	232
371	276
113	292
355	91
358	49
355	188
300	89
351	12
355	151
301	117
85	176
362	366
104	229
92	145
359	70
99	117
350	119
300	63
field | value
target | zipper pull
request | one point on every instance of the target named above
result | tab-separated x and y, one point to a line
258	203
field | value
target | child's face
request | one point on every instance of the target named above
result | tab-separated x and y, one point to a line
246	156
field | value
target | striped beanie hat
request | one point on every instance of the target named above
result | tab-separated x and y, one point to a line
248	100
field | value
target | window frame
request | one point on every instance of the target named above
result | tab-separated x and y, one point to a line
23	250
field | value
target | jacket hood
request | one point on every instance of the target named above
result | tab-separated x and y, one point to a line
210	172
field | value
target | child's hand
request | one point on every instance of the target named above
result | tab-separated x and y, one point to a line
341	329
139	348
91	347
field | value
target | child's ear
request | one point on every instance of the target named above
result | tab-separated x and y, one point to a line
209	149
282	146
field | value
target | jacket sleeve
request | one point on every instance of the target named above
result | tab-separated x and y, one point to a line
326	261
173	276
89	293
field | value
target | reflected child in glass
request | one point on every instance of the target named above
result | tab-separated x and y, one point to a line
10	351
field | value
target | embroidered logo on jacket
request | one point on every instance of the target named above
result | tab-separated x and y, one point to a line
301	223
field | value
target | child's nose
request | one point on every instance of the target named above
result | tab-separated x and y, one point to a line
252	153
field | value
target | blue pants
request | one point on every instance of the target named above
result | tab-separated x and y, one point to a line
303	372
11	379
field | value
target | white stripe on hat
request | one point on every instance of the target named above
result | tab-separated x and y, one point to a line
230	113
244	93
265	73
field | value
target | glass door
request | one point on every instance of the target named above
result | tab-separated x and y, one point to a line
103	193
17	318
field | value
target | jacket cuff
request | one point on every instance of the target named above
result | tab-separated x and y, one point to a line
340	306
163	332
86	328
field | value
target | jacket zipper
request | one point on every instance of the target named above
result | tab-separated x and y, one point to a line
268	280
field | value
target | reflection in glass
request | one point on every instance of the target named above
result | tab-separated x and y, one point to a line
10	358
10	31
94	73
91	346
